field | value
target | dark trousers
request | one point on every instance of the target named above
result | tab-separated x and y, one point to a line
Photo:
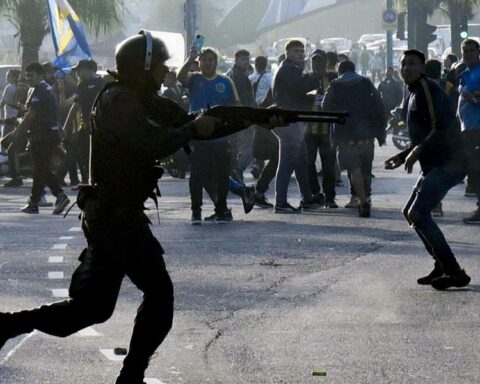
430	190
42	156
471	140
210	170
114	251
267	175
16	146
69	163
318	143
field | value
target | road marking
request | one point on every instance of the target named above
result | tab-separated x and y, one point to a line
13	350
88	332
108	353
75	229
60	246
62	292
55	259
56	275
66	237
153	381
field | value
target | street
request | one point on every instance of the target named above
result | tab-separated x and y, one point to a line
266	298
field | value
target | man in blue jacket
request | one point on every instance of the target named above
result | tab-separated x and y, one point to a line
436	143
355	140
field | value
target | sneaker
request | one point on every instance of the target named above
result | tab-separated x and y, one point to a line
353	203
427	280
196	218
15	182
30	209
457	279
364	210
437	211
224	217
474	218
286	208
248	199
311	205
319	198
60	204
44	203
330	204
261	201
211	217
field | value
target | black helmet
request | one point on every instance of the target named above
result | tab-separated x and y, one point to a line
136	55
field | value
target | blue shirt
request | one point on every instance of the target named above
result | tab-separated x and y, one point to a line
204	92
469	113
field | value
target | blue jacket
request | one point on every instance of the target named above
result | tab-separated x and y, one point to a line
432	125
359	97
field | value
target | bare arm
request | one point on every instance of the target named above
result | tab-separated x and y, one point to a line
184	75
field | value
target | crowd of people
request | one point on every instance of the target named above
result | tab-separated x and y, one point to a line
55	117
130	127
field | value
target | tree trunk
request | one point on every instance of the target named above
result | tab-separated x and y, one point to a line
455	27
32	24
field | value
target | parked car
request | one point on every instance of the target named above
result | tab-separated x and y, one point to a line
369	38
337	44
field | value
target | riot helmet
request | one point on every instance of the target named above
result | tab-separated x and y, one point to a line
137	55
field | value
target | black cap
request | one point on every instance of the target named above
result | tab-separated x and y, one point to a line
86	64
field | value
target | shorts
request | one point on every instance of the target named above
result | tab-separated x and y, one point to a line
356	155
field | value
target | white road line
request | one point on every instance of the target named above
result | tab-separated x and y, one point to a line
88	332
66	237
75	229
56	275
108	353
62	292
60	246
153	381
13	350
55	259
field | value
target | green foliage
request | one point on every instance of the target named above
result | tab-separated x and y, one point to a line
97	15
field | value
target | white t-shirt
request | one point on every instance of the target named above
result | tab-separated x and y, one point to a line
9	98
263	86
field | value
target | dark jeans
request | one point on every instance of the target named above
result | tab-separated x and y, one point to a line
16	146
42	155
471	140
210	169
430	190
322	145
115	250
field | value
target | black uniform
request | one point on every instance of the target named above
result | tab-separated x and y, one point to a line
129	135
44	138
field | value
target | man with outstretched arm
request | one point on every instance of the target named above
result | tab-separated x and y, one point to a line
436	143
132	128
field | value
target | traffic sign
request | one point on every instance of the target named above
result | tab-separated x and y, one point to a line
390	20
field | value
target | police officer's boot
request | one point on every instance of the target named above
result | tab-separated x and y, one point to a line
12	325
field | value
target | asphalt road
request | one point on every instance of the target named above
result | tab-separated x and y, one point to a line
265	299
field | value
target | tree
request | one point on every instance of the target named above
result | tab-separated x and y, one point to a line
30	18
459	13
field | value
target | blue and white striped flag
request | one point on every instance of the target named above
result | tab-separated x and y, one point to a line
68	35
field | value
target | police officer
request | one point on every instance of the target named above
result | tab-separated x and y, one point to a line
437	145
132	128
